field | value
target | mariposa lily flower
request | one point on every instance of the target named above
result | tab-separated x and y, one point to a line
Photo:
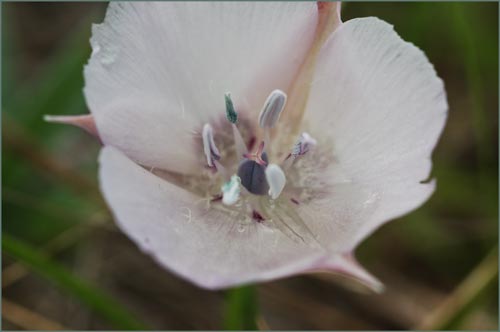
250	141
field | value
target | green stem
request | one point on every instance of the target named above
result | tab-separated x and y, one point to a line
241	309
466	297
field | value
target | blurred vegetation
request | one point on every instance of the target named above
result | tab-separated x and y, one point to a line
440	263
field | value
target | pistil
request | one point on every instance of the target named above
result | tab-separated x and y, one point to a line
257	155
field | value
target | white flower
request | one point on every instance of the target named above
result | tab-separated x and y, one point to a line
195	101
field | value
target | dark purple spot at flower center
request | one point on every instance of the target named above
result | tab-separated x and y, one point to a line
257	216
253	176
216	198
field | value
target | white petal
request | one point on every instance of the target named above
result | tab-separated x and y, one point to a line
347	265
383	107
159	70
206	246
335	216
85	122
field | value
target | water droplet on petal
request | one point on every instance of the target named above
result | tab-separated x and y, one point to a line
106	56
372	198
107	59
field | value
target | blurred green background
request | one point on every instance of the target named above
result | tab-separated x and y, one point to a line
66	266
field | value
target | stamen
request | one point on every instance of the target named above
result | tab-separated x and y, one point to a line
209	147
276	179
231	190
270	113
221	169
232	117
231	114
241	148
272	109
303	145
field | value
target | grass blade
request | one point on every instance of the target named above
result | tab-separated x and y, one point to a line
101	303
241	309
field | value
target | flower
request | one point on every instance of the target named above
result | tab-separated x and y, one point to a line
250	141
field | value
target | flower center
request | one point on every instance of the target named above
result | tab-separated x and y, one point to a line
254	175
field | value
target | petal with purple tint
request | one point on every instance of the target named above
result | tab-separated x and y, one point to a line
85	122
210	247
160	70
383	107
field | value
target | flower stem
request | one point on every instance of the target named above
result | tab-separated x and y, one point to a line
241	309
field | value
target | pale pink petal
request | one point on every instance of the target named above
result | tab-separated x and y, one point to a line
210	247
348	266
328	20
159	70
85	122
379	102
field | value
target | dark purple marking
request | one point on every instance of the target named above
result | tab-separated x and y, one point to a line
257	216
216	198
212	169
251	143
294	201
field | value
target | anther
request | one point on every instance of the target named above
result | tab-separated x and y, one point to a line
231	190
301	147
276	180
209	147
231	114
270	113
232	117
304	144
272	109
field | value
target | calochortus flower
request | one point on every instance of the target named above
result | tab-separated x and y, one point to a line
255	140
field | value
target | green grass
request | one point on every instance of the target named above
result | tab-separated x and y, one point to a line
90	295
